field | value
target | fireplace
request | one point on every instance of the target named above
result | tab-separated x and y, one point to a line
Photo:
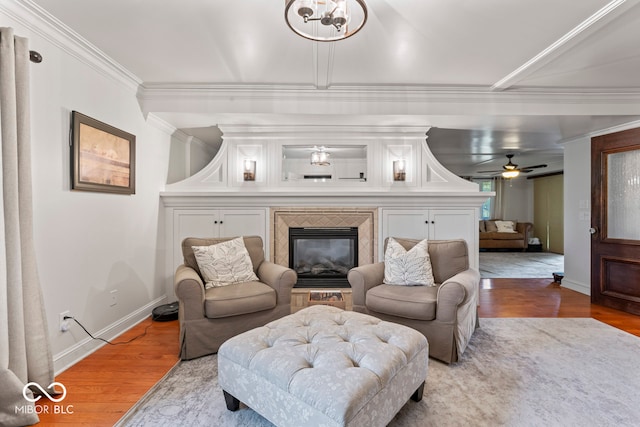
322	257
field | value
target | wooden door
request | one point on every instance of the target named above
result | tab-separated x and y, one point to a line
615	217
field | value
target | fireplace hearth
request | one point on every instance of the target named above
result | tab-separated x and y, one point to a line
322	256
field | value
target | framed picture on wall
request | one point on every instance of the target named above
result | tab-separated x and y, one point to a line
102	157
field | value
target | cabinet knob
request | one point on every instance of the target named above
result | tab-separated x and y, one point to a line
433	222
220	222
215	222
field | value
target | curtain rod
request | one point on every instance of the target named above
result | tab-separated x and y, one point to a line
35	56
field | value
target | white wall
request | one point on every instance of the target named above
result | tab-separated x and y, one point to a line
89	244
577	215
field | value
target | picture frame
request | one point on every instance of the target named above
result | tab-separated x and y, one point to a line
103	158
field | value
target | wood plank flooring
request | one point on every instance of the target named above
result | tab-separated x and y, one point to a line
103	386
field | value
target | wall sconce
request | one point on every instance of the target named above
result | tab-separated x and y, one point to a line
249	170
399	170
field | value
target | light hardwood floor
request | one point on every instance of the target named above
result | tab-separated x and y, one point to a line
103	386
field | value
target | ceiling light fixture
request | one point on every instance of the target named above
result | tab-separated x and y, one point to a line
320	157
510	170
339	18
510	173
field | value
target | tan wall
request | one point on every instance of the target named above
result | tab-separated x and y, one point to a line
548	212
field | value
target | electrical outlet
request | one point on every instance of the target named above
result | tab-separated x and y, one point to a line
114	297
64	323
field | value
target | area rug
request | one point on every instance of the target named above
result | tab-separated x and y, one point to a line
520	265
515	372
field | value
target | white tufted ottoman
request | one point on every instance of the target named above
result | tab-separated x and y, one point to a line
323	366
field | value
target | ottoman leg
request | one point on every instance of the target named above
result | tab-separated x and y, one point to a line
233	404
417	395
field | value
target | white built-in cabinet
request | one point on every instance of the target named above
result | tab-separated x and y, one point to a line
226	222
432	224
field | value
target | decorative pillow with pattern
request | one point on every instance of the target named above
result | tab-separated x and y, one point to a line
505	227
407	268
224	263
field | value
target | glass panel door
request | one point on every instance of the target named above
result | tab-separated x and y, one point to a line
623	195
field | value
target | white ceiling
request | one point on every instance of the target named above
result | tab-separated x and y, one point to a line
490	77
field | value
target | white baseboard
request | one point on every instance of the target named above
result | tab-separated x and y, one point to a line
64	360
576	286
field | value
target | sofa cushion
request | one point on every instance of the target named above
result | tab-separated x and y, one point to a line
241	298
407	267
252	243
504	236
448	257
482	227
224	263
410	302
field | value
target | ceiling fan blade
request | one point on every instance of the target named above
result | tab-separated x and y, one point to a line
489	171
535	167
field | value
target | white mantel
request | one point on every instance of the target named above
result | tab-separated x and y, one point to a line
314	197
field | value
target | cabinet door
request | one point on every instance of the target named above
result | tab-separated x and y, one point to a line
409	224
192	223
446	224
450	224
243	222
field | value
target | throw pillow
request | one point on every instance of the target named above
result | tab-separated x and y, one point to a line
505	227
407	268
490	226
224	263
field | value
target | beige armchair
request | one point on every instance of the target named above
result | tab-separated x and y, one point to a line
446	313
208	317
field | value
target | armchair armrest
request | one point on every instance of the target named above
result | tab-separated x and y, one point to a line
458	290
364	278
525	229
189	289
279	278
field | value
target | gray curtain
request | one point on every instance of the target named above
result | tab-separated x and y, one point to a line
25	352
497	208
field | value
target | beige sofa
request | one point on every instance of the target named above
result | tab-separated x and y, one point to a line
208	317
446	313
491	238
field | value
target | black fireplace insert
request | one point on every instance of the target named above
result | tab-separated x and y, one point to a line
321	256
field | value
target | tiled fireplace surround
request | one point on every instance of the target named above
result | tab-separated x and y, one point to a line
281	219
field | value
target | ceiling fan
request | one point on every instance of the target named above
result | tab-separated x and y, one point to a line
511	170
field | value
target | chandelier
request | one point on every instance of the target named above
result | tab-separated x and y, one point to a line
338	19
320	157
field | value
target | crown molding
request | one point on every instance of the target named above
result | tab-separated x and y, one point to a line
583	30
58	34
162	125
343	132
619	128
384	100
